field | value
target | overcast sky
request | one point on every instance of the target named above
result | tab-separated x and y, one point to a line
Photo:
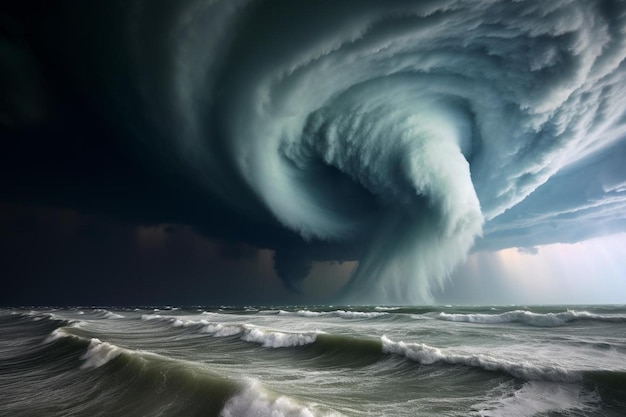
280	152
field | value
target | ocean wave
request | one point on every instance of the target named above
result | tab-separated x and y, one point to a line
111	315
362	349
220	330
429	355
55	335
358	314
247	332
255	401
243	398
532	319
278	339
101	312
200	325
301	313
344	314
148	317
541	398
99	353
39	315
46	322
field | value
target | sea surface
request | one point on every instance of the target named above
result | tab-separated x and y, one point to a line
313	361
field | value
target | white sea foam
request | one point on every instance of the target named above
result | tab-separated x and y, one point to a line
38	315
539	398
308	313
337	313
255	401
55	335
530	318
61	332
108	314
249	333
220	330
428	355
148	317
278	339
358	314
99	353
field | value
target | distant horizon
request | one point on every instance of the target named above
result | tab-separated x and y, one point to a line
243	306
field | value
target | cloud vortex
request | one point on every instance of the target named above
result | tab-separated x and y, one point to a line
410	125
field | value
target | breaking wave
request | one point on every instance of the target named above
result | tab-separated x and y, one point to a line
247	333
428	355
337	313
533	319
255	401
230	398
231	363
366	349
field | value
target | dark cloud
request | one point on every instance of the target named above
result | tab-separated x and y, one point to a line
397	134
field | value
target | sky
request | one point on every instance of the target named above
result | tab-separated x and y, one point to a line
213	152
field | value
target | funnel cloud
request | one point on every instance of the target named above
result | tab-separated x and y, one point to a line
401	135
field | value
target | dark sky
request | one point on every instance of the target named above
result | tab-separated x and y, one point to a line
84	169
228	152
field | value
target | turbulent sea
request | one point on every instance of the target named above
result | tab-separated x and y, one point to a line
314	361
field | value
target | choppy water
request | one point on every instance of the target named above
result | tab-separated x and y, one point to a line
314	361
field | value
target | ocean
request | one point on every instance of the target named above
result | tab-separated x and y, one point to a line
313	361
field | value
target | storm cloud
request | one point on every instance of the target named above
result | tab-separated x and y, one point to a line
399	134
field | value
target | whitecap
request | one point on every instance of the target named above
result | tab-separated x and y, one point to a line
428	355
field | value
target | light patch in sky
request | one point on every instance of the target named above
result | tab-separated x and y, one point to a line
589	272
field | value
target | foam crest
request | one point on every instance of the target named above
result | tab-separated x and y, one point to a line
249	333
220	330
148	317
56	335
108	314
530	318
278	339
62	332
358	314
38	316
541	398
111	315
307	313
255	401
201	325
337	313
428	355
99	353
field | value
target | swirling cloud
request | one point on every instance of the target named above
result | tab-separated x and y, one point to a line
399	134
406	125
